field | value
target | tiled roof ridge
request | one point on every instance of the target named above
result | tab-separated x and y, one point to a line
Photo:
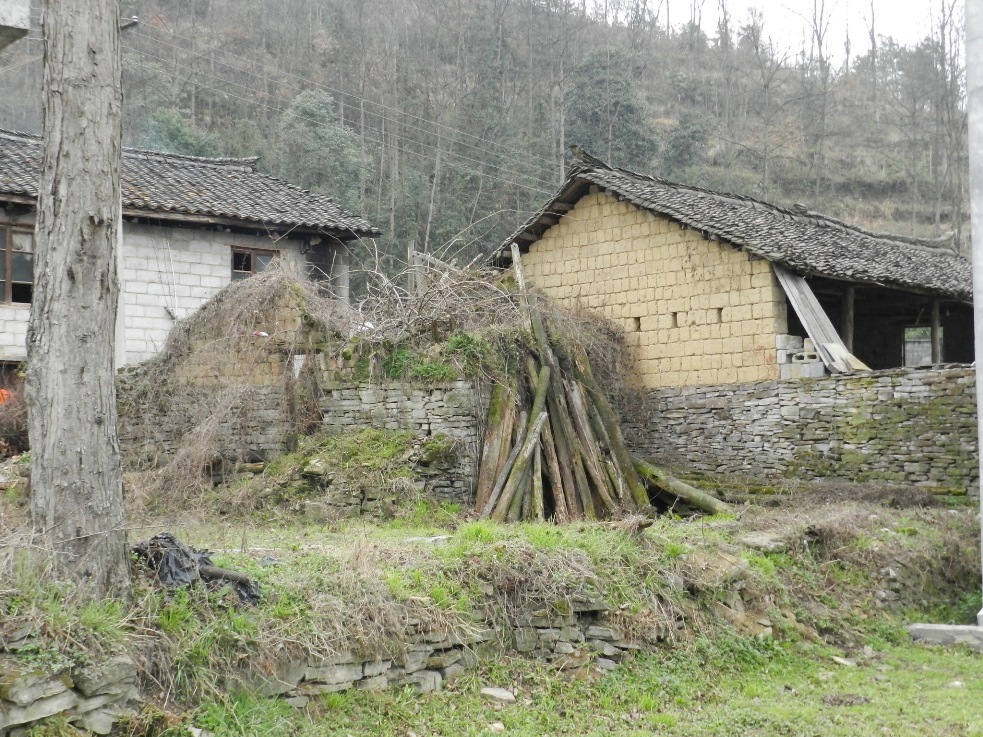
247	163
936	245
181	185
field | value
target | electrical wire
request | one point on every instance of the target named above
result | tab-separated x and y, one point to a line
437	125
380	142
541	188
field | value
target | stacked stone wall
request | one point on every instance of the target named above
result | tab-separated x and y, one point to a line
698	312
92	696
456	410
909	426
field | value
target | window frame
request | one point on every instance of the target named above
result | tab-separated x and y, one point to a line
253	252
8	259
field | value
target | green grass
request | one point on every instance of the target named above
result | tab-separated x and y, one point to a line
358	582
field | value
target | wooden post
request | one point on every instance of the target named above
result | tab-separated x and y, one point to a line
412	279
936	332
846	323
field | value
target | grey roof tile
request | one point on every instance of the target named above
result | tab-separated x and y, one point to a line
806	242
230	189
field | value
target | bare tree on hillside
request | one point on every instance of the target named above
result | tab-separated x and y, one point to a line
77	498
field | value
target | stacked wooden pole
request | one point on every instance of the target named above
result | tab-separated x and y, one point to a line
554	448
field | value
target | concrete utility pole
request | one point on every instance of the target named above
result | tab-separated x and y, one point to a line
76	486
974	83
953	634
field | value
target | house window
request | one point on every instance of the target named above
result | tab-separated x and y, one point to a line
249	261
918	346
17	264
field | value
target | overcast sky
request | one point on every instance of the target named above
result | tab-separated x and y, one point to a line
908	21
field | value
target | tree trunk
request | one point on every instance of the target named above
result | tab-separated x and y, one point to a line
77	498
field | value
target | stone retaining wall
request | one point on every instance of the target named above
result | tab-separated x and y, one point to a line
456	410
572	639
93	697
911	426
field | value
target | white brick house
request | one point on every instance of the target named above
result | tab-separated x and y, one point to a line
190	226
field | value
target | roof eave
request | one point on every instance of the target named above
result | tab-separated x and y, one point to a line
532	230
341	234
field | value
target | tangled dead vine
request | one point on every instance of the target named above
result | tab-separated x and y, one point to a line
206	378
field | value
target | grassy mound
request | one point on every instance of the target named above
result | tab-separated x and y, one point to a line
818	578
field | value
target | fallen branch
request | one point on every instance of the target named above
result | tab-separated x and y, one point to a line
662	479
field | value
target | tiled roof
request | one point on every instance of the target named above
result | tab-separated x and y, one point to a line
226	189
805	242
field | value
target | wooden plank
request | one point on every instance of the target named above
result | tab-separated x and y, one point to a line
813	318
555	475
503	476
498	437
841	354
936	332
846	326
516	478
538	511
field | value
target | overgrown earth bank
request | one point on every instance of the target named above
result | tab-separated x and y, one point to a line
785	618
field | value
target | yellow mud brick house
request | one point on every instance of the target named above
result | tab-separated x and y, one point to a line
716	288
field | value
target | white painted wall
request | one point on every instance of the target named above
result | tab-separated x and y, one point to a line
13	331
167	273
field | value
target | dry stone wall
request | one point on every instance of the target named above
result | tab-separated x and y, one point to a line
455	410
573	636
91	696
910	426
426	659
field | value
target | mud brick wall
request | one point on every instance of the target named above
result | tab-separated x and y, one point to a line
456	410
698	312
910	426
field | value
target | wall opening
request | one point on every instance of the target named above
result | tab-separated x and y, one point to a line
918	346
636	324
675	319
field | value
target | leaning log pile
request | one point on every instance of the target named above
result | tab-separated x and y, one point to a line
553	446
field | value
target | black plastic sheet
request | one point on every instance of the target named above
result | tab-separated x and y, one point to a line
177	565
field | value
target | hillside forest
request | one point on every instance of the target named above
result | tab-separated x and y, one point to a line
446	122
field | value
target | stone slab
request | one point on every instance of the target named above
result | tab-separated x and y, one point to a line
948	634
